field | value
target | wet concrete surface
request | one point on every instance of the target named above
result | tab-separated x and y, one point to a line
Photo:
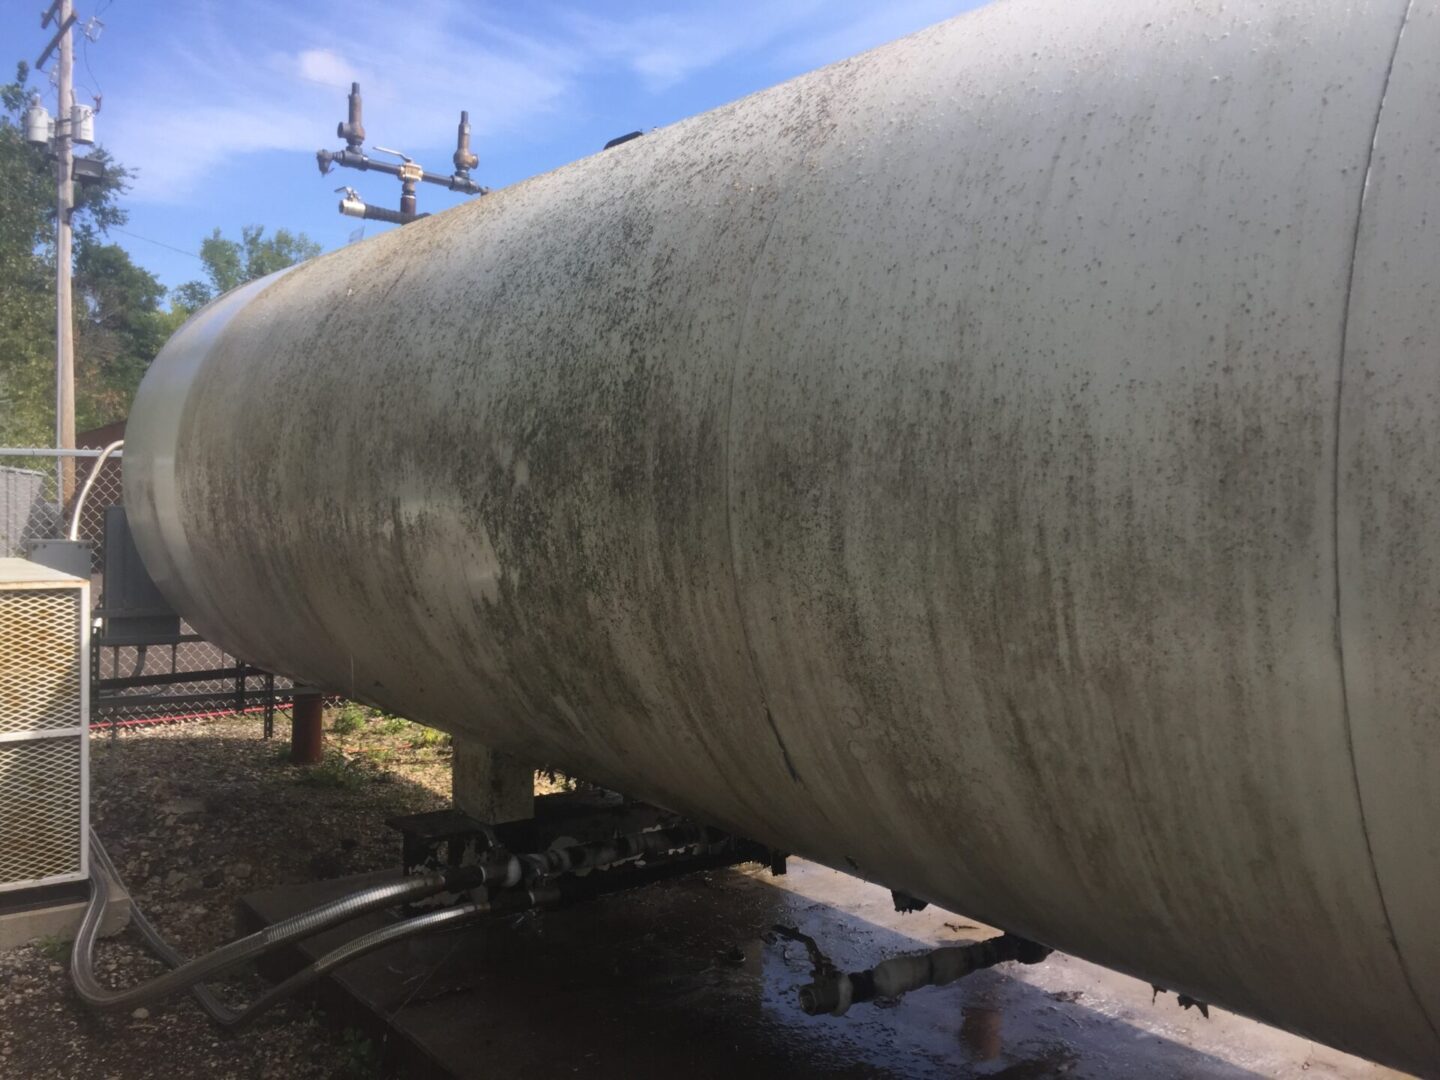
692	978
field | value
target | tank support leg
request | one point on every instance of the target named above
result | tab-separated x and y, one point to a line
491	786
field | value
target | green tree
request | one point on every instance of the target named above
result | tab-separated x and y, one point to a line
120	326
27	305
119	321
27	287
231	263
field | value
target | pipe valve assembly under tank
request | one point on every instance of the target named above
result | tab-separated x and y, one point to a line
1005	464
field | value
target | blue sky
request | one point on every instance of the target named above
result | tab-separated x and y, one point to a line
220	107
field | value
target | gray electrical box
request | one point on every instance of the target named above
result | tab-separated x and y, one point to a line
132	605
68	556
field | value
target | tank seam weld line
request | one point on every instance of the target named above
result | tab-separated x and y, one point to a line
1335	531
729	516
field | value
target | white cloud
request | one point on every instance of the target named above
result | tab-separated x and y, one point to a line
664	48
283	90
177	155
325	66
270	75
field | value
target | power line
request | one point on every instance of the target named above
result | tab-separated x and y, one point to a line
95	90
157	243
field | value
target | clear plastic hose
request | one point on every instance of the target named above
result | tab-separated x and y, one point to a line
352	950
188	975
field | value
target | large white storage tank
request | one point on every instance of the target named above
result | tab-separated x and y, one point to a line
1006	464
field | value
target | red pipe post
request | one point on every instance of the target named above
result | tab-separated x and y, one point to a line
307	735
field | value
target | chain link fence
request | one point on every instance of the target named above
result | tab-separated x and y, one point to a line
29	507
183	677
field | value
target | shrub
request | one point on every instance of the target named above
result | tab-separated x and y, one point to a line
427	738
394	725
350	719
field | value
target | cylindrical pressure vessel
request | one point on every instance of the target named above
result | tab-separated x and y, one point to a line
1005	464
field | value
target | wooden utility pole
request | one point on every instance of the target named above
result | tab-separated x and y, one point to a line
61	11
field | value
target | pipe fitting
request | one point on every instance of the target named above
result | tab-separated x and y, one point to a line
835	992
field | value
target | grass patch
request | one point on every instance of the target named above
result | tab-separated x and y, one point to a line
350	719
394	725
555	779
334	773
427	738
366	746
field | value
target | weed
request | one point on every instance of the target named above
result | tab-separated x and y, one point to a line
360	1060
53	947
394	725
557	780
334	772
427	738
350	719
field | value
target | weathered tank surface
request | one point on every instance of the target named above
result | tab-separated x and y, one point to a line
1005	464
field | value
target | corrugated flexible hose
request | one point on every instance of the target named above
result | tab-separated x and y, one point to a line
190	975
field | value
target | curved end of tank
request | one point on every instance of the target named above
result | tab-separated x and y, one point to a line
152	435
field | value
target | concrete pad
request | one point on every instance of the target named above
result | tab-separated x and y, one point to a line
57	915
689	978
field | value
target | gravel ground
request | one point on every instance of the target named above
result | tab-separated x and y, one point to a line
195	815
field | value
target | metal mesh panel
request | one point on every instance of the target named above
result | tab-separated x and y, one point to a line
40	809
39	659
